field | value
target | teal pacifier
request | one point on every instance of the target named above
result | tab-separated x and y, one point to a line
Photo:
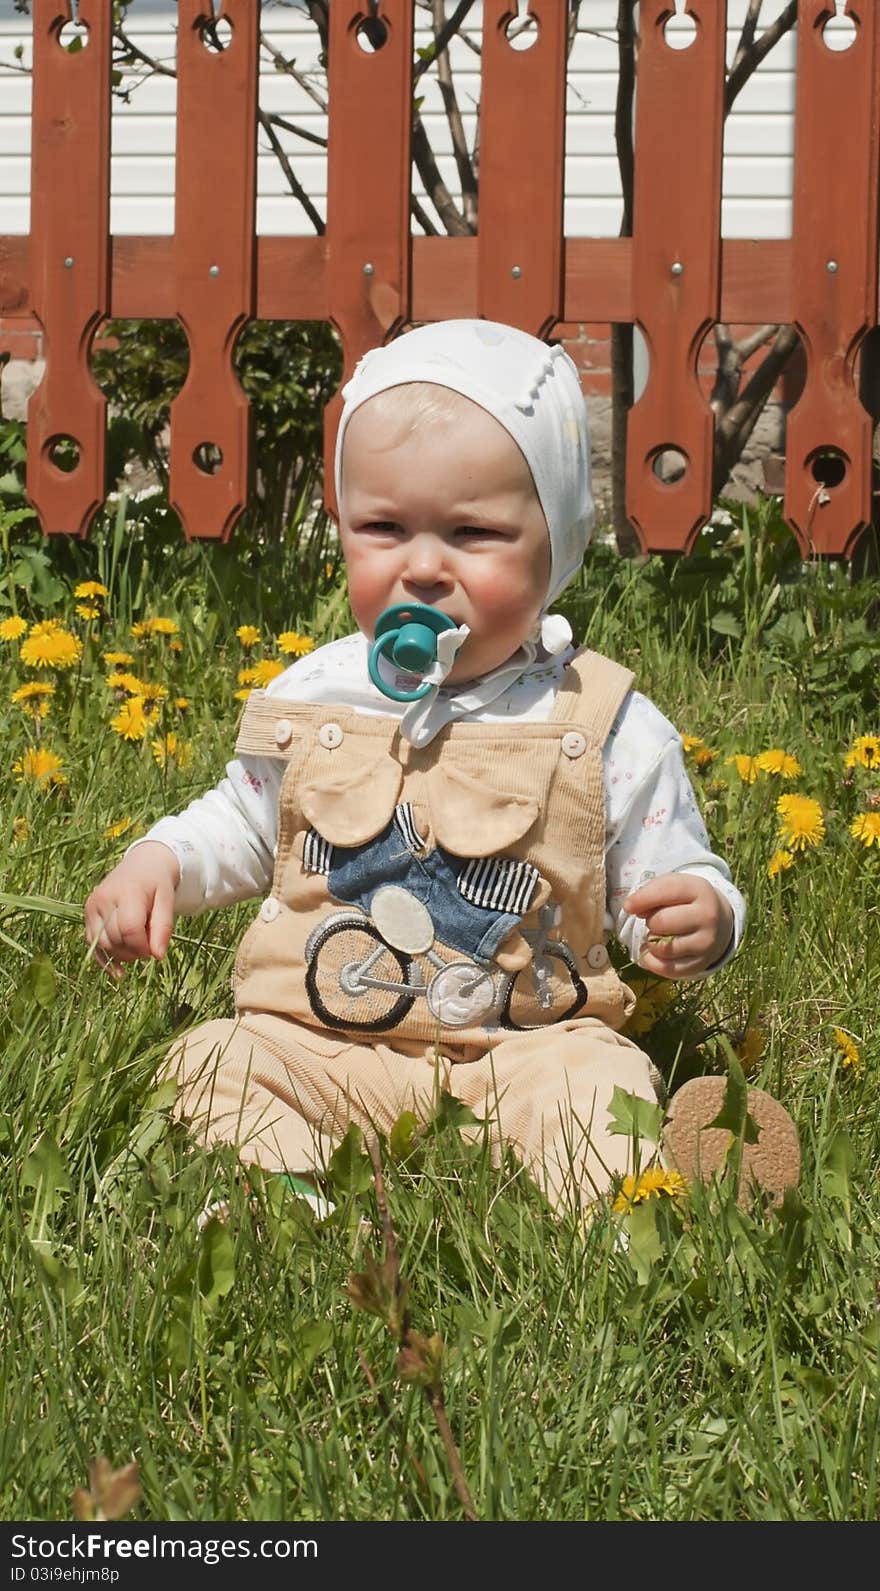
407	635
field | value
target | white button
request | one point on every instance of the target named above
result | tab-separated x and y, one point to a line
330	735
597	957
283	731
573	744
270	909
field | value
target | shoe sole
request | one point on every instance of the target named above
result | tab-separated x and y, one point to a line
699	1151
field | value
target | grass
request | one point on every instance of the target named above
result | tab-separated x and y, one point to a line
723	1365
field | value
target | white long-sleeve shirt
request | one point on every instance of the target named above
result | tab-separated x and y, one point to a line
225	842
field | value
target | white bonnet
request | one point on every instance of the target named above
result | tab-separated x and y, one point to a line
531	389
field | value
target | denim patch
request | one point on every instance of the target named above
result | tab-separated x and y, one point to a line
356	872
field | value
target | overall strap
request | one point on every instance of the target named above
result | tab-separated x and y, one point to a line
591	695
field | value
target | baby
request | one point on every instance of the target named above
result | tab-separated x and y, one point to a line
444	852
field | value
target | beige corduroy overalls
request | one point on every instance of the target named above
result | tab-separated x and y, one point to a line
437	918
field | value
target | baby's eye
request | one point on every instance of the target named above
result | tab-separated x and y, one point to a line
382	527
480	532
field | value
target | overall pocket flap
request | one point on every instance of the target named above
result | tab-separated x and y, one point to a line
353	798
470	818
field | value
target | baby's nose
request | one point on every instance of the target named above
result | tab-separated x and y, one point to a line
426	563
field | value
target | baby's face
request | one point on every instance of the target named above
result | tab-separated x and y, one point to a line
448	516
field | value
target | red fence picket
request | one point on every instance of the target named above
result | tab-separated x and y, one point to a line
214	233
676	275
68	264
830	435
368	184
366	275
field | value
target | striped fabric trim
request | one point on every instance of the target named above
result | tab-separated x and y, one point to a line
317	853
499	883
403	817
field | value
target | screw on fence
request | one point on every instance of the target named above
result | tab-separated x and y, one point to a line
68	263
368	269
831	266
516	271
677	268
213	270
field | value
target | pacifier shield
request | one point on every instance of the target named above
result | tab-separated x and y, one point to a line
407	635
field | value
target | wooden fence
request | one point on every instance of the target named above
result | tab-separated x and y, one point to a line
675	277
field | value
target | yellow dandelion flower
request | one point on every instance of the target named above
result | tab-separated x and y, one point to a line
117	659
168	748
33	689
51	649
803	822
88	610
20	830
12	628
863	753
163	626
780	862
850	1054
267	670
130	722
866	827
248	635
114	830
175	646
34	698
691	742
779	762
181	703
246	676
653	995
746	766
43	767
140	629
151	693
704	756
749	1048
90	588
292	644
242	696
123	680
46	627
654	1183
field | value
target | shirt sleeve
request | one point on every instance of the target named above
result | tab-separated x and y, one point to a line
654	825
225	842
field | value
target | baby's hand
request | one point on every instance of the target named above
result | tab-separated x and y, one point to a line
689	924
131	913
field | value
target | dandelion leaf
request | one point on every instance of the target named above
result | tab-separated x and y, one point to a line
45	1171
349	1169
216	1271
634	1117
645	1247
734	1113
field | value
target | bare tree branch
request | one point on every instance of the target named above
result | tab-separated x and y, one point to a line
294	183
734	428
464	165
282	64
433	184
442	36
750	54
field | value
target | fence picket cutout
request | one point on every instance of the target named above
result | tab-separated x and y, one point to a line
370	278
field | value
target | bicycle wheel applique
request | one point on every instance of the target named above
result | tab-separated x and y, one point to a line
354	979
549	990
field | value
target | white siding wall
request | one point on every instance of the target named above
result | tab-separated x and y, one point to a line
758	141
